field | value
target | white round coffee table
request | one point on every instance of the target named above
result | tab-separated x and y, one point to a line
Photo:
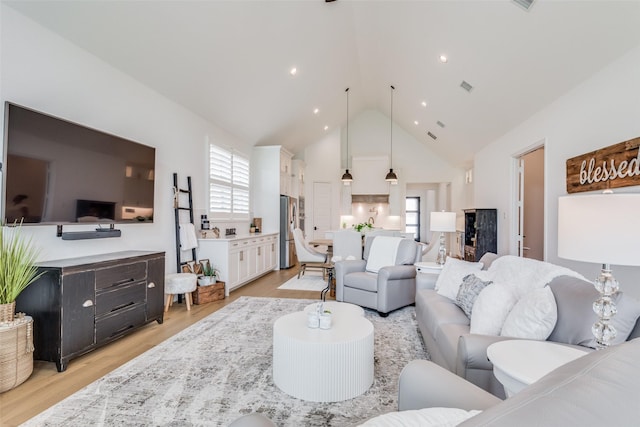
323	365
518	363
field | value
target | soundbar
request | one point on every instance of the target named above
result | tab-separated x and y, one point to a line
97	234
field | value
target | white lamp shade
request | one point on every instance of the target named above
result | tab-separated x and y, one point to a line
600	228
443	221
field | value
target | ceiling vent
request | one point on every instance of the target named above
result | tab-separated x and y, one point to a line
525	4
432	135
466	86
439	123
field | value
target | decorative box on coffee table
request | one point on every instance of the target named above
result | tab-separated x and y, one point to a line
205	294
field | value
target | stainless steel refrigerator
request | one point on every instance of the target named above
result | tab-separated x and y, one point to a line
288	221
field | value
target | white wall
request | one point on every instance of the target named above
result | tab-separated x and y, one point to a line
602	111
369	136
42	71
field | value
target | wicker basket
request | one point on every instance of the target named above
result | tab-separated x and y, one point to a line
16	352
204	294
7	312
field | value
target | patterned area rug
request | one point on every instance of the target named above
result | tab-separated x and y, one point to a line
220	368
307	282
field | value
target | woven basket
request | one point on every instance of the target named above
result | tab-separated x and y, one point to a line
16	352
7	312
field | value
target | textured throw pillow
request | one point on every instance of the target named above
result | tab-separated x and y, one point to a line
471	287
533	317
428	417
574	298
491	309
451	276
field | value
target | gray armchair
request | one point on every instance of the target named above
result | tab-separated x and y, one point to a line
392	287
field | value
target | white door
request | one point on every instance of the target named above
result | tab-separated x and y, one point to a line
321	209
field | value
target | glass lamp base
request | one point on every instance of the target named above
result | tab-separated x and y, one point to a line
442	251
605	307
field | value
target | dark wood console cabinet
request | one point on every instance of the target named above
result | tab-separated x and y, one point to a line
480	233
79	304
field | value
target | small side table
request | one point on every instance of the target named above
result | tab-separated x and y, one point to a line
518	363
428	273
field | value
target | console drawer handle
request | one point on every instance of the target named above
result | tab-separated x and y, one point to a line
87	303
151	285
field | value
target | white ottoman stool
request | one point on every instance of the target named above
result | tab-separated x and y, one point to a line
179	283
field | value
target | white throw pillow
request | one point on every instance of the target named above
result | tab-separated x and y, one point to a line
451	276
533	317
491	309
428	417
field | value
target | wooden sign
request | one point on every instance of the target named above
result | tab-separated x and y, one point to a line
610	167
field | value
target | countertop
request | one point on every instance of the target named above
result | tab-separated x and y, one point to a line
235	237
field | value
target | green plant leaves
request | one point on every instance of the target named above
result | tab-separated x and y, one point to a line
17	263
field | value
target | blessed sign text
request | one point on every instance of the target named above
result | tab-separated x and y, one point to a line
610	167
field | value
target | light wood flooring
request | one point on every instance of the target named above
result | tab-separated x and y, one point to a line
46	386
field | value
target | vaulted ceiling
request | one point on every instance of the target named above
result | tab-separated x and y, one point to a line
230	61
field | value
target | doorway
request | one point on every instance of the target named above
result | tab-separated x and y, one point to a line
530	204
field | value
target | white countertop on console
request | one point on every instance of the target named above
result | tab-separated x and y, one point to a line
235	237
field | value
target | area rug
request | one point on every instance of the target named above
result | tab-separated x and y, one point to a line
309	281
220	368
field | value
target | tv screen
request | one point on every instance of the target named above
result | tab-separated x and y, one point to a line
60	172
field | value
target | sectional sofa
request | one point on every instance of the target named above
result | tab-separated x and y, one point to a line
560	300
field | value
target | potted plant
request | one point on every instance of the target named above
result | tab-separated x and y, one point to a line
209	275
17	271
17	268
362	227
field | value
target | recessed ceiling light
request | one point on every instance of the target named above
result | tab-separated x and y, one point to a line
415	122
326	127
316	111
293	71
423	103
443	59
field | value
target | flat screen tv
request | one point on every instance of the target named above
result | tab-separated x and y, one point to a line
58	172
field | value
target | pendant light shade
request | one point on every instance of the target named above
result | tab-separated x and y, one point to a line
346	176
391	176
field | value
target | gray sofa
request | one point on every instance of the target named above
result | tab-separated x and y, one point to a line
393	287
446	333
599	389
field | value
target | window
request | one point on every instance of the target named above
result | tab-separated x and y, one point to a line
412	218
228	184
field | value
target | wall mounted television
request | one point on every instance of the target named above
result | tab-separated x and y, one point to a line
59	172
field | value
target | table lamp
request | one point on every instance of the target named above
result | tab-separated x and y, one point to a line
601	228
444	222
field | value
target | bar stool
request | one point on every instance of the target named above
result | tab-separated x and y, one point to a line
179	283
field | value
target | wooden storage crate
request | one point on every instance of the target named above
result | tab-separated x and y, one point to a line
205	294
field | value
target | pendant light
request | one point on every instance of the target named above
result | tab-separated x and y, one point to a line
347	177
391	176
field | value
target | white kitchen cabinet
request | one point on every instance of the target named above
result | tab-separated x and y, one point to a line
270	177
242	259
297	179
285	173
